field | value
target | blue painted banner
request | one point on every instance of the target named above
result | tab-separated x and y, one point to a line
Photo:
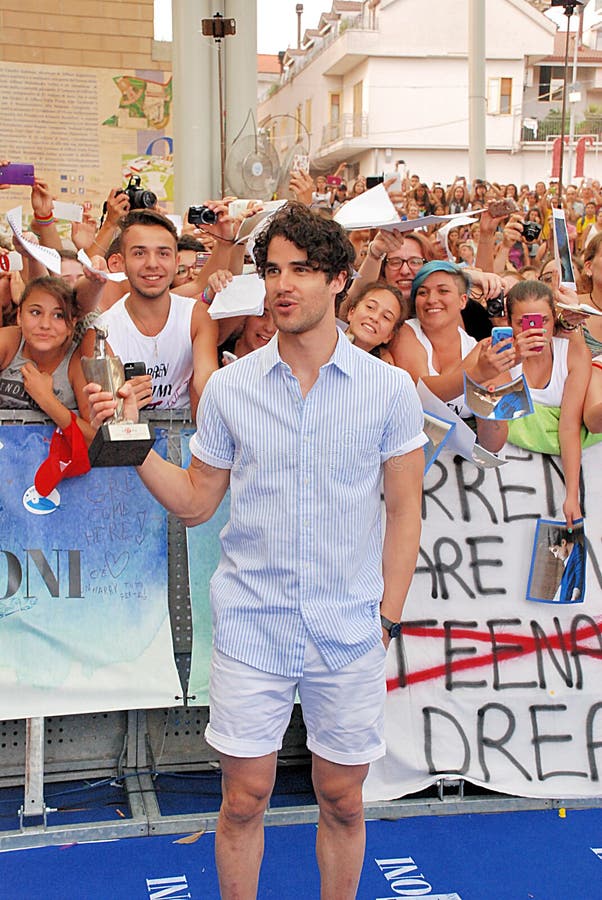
84	622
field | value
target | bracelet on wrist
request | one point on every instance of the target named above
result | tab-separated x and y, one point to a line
43	222
378	257
566	326
205	298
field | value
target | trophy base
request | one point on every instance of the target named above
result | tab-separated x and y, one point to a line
121	444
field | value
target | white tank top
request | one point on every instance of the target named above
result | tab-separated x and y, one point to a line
467	342
167	355
551	394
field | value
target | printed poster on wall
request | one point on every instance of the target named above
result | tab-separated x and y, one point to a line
84	622
485	684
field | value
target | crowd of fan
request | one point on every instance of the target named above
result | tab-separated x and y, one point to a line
425	300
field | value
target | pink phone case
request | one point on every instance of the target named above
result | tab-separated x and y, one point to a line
531	320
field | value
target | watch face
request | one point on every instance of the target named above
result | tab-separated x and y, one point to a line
395	630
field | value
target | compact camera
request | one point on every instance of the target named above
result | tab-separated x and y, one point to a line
496	306
531	231
201	215
138	197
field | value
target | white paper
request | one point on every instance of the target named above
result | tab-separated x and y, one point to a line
15	261
243	296
581	308
249	226
462	440
106	276
176	221
372	209
69	212
45	255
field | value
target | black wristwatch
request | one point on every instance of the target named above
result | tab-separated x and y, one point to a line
394	628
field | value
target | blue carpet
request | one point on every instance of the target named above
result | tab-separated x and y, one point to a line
509	856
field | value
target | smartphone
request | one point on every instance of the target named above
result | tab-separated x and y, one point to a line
131	369
333	179
531	320
500	335
373	180
504	207
396	184
16	173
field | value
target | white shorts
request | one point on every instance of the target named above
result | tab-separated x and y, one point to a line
250	710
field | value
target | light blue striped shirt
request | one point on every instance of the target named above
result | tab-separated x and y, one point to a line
302	552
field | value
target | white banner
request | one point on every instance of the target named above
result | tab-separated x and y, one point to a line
485	684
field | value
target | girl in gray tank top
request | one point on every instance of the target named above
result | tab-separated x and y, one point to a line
36	355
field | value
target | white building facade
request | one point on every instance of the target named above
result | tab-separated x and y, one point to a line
376	82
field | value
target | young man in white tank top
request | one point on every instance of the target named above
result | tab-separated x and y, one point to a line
174	336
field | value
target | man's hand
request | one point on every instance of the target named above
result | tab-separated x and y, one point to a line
513	230
118	205
142	388
103	404
223	228
302	185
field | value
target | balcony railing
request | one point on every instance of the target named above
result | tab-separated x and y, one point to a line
541	130
348	128
349	23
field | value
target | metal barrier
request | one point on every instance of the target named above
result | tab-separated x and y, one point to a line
132	746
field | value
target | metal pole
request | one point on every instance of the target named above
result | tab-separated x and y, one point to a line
578	34
222	120
299	11
476	91
568	12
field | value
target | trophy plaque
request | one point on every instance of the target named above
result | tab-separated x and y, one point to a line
118	442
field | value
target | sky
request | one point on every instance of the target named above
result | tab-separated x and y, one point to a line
277	21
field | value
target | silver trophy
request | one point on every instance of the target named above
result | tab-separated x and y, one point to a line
118	442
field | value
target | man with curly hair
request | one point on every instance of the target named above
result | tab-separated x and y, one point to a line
305	597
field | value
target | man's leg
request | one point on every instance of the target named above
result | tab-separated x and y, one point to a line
246	788
341	831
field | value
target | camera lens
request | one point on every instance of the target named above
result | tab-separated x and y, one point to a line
531	231
140	199
208	217
496	306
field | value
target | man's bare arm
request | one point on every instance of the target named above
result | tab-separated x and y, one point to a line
191	494
403	505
